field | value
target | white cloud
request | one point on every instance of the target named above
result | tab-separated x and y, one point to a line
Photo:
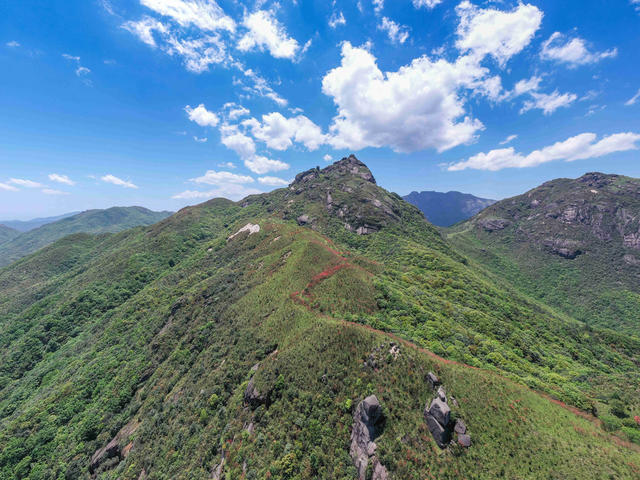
260	86
273	181
70	57
509	139
337	19
266	33
198	54
231	191
636	3
548	103
378	5
233	111
200	140
426	3
573	52
414	108
25	183
56	177
634	99
12	44
279	132
117	181
144	28
212	177
494	32
81	71
397	33
526	86
327	158
235	140
51	191
227	165
261	165
202	116
579	147
203	14
8	188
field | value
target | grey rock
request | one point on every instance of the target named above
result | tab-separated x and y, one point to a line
433	380
440	411
303	219
494	224
379	472
368	421
441	435
442	395
253	397
460	427
464	440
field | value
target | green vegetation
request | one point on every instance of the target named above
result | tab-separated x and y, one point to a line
7	234
149	336
110	220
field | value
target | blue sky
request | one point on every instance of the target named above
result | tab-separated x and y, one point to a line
109	102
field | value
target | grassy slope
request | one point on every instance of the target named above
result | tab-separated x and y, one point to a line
92	221
160	326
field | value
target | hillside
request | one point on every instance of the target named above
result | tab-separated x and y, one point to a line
7	233
237	340
446	209
111	220
575	244
26	225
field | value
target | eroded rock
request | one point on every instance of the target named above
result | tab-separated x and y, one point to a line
368	422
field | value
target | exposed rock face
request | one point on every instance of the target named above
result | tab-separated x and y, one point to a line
437	415
303	219
433	380
494	224
118	448
249	227
368	422
253	397
464	440
440	411
351	166
565	248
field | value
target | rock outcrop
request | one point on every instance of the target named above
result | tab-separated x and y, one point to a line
249	227
253	397
437	415
368	423
116	450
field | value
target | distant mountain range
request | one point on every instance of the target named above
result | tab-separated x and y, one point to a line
26	225
111	220
446	209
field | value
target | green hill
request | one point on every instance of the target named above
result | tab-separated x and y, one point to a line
7	233
574	244
236	340
111	220
26	225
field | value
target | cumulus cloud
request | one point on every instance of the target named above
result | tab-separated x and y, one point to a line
634	99
234	111
234	139
25	183
337	19
378	5
212	177
8	188
12	44
56	177
203	14
227	165
548	103
230	191
500	34
202	116
266	33
279	132
117	181
273	181
573	52
415	108
327	158
260	164
397	33
579	147
426	3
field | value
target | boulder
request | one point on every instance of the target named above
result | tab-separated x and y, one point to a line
379	472
460	427
368	421
433	380
303	219
253	397
442	395
440	411
464	440
441	435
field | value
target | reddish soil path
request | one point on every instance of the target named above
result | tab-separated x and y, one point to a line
305	298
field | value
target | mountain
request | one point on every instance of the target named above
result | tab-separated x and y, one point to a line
298	334
110	220
446	209
26	225
573	243
7	233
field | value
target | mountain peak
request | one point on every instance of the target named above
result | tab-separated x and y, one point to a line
346	167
